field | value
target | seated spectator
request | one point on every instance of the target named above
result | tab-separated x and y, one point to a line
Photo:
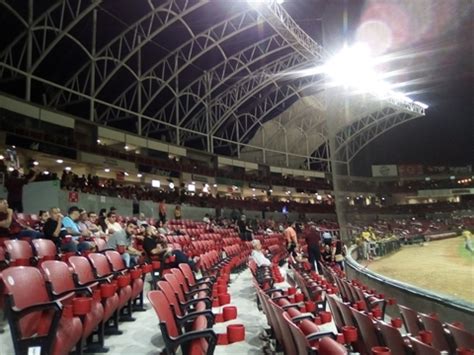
43	216
162	228
257	254
70	225
177	212
54	231
112	224
11	227
101	220
122	238
91	224
156	248
141	221
206	219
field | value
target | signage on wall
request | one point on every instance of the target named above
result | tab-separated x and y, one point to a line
201	178
384	170
73	197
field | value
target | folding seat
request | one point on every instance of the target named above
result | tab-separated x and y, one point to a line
462	338
286	337
421	348
191	291
61	285
393	338
19	253
118	267
201	302
101	244
191	279
336	313
83	275
180	311
367	331
370	301
346	313
434	325
35	320
45	249
103	270
199	340
410	320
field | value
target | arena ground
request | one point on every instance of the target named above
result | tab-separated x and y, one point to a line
444	267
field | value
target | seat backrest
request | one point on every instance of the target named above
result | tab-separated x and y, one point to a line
82	269
434	325
421	348
25	287
101	244
287	337
367	330
100	264
44	247
462	338
410	319
160	304
18	249
330	346
346	313
181	279
58	275
392	338
188	273
115	259
336	313
173	281
302	344
170	295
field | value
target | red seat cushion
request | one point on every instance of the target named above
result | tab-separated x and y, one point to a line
68	334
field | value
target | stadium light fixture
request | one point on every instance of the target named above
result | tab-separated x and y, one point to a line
46	172
36	163
11	169
59	161
423	106
1	157
67	168
107	170
171	185
139	175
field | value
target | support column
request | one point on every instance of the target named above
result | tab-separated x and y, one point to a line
139	86
29	51
176	103
93	53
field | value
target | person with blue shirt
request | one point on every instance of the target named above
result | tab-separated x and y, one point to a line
70	224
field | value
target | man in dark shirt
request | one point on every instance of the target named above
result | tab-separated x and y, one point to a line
54	231
10	226
313	238
14	185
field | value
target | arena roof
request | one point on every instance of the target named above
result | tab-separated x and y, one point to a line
212	75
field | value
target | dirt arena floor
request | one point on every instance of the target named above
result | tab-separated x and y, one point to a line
444	267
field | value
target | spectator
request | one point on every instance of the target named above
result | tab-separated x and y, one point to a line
14	185
244	230
467	235
10	225
101	220
43	216
163	229
91	224
162	211
122	238
112	224
257	254
70	225
206	219
338	252
54	231
177	212
291	238
141	221
312	237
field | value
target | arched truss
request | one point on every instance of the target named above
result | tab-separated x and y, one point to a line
223	104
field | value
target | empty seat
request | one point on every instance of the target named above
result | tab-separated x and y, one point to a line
434	325
202	302
410	320
392	338
62	286
462	338
19	252
45	249
421	348
34	319
367	331
200	340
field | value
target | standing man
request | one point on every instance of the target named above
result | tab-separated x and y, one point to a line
162	211
291	238
14	185
312	235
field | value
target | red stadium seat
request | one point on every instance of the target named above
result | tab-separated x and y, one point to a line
45	249
336	313
102	268
392	338
462	338
188	291
367	330
35	320
410	320
118	266
421	348
200	340
191	279
434	325
285	335
19	252
84	276
202	301
61	282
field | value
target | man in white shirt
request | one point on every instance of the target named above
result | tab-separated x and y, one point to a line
257	254
112	225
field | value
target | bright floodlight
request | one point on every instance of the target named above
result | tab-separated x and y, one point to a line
353	67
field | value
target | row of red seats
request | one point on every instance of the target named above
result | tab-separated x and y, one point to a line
73	302
359	307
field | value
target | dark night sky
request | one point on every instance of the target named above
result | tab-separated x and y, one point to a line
442	69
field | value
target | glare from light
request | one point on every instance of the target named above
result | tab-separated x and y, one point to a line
67	168
125	173
36	163
98	141
107	170
191	188
155	183
215	185
194	182
10	169
59	161
2	157
45	172
171	185
139	175
279	2
205	189
126	147
423	106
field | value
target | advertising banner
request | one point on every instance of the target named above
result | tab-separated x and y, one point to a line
384	170
410	170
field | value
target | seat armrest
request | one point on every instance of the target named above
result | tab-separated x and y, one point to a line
54	305
196	334
303	317
319	335
78	290
291	305
192	316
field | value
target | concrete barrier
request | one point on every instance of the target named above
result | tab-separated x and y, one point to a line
449	309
